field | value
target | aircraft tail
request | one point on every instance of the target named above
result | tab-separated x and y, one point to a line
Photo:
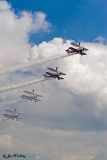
45	75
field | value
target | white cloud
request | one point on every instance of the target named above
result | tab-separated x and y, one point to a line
100	39
4	6
9	143
39	22
14	33
84	74
6	141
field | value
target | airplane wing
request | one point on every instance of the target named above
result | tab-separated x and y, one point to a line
6	115
28	92
51	69
33	93
73	49
25	97
77	45
85	49
36	94
31	98
10	111
49	73
61	73
61	78
69	50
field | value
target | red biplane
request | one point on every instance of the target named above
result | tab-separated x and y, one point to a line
79	50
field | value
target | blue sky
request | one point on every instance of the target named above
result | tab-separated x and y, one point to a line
77	19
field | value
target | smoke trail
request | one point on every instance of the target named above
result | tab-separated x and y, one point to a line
12	87
12	102
27	65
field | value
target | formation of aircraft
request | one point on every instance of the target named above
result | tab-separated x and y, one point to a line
14	155
54	75
79	50
12	114
32	96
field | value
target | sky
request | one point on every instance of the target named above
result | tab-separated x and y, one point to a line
70	122
83	20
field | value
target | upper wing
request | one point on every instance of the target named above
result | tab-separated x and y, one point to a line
33	93
28	92
51	69
77	45
10	111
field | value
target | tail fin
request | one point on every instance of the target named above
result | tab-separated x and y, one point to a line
45	75
33	91
57	68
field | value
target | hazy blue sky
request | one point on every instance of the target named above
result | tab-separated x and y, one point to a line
80	19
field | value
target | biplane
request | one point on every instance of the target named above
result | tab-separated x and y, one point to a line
55	75
79	50
32	96
12	114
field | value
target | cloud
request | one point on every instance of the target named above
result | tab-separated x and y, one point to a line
39	141
100	39
9	143
86	73
82	91
102	154
81	94
6	141
15	30
4	6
